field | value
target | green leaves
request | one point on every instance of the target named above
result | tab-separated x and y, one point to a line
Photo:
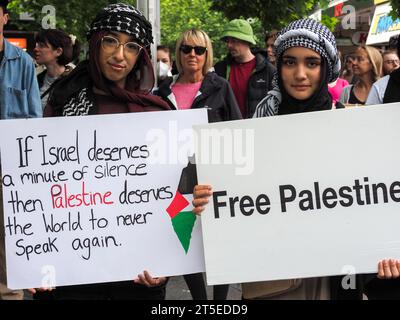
329	22
273	14
395	13
180	15
74	16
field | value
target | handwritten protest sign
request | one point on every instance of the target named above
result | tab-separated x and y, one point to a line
299	196
96	199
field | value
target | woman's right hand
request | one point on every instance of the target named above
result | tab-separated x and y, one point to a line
35	290
389	269
201	195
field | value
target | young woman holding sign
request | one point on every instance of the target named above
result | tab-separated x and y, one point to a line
117	78
307	60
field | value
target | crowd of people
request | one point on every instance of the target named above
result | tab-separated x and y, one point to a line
298	71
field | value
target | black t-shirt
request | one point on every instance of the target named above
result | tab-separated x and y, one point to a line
392	92
353	99
1	55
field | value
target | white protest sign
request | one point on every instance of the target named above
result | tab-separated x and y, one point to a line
314	194
95	199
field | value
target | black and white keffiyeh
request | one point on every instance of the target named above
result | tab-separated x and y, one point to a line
78	105
311	34
269	106
306	33
125	18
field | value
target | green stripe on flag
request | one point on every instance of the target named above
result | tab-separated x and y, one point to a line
183	224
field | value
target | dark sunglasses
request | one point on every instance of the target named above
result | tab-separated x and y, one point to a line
197	49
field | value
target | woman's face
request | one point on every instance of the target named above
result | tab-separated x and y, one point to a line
349	63
118	56
45	54
362	64
301	72
193	62
163	56
269	44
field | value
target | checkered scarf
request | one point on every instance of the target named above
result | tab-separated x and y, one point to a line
311	34
121	17
306	33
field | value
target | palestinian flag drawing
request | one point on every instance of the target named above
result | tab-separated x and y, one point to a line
180	209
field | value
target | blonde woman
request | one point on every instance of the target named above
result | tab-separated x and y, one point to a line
198	86
367	67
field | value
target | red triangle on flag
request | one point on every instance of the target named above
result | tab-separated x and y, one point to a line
177	205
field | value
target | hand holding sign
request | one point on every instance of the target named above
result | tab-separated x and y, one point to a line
389	269
146	279
201	195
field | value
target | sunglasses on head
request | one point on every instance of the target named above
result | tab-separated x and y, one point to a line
198	50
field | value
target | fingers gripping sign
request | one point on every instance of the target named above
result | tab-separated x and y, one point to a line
389	269
201	195
147	280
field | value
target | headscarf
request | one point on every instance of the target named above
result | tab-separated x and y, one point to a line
310	34
119	18
139	82
125	18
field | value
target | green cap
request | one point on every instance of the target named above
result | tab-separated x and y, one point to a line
239	29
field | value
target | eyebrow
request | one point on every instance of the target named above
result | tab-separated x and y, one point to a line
195	45
115	34
306	58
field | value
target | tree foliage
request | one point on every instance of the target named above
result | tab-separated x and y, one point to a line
274	14
329	22
180	15
395	9
73	16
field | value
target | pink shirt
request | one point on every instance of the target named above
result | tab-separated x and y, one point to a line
185	93
337	89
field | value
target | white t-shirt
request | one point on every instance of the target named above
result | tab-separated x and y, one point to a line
47	82
377	92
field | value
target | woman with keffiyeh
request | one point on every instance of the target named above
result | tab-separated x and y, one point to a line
117	78
307	60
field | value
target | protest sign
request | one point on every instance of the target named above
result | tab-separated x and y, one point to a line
304	195
97	199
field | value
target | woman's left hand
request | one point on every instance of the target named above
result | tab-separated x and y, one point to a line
146	279
389	269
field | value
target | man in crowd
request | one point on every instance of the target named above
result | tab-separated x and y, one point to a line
270	38
249	72
19	98
390	62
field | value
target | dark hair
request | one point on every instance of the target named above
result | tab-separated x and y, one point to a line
394	43
271	34
389	52
60	39
166	49
76	51
4	4
398	45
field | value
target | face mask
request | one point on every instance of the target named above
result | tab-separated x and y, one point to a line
162	70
